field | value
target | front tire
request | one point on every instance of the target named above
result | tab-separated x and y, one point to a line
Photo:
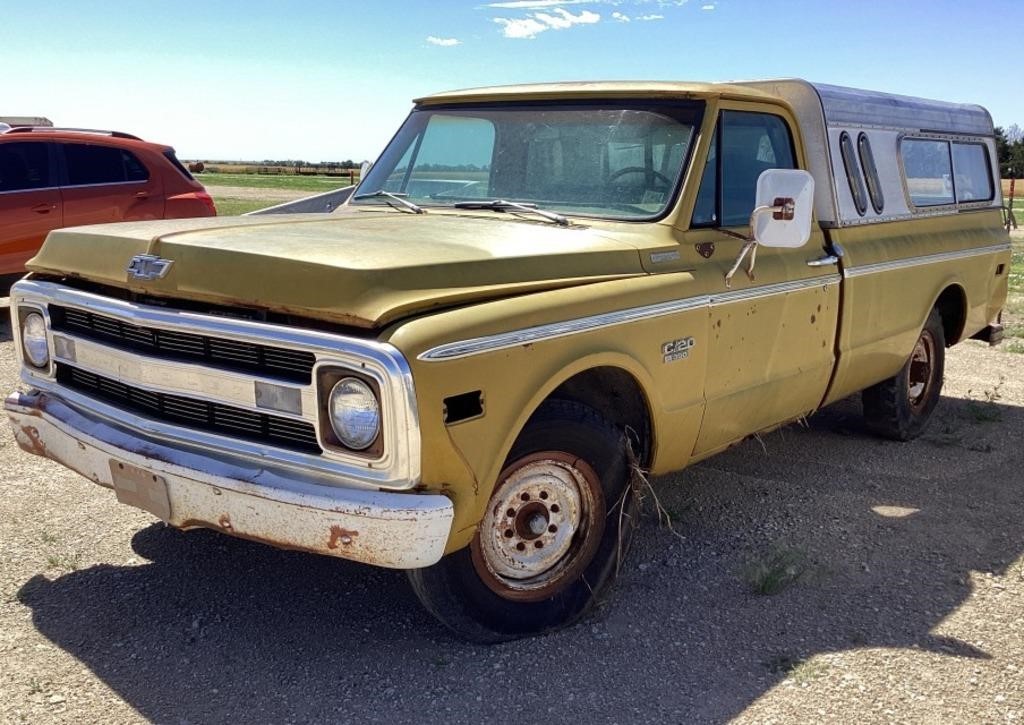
552	537
900	407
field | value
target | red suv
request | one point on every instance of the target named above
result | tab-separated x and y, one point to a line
51	178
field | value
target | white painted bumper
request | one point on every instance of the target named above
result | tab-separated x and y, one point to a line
239	497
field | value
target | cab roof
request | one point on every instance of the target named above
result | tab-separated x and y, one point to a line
597	89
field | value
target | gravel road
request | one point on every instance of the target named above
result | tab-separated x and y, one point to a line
909	604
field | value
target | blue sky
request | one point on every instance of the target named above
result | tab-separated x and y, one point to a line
322	80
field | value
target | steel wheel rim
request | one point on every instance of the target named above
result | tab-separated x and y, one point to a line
541	527
921	371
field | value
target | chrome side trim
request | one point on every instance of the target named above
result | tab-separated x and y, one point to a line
860	271
399	466
504	340
769	290
540	333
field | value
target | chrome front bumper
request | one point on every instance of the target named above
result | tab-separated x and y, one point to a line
190	488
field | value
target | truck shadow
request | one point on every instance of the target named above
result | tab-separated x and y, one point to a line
884	541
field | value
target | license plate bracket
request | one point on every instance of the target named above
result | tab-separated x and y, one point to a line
140	488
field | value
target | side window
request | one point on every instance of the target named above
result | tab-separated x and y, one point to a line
24	166
853	175
867	161
972	173
134	170
92	164
750	143
705	212
928	170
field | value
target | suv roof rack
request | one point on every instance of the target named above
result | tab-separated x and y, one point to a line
52	129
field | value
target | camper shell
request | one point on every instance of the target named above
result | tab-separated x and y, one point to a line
826	112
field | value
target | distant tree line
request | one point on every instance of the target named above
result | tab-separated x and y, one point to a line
298	163
1010	150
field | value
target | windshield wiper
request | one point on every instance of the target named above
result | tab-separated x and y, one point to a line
503	205
390	197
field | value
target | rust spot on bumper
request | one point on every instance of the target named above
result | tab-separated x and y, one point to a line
34	445
340	535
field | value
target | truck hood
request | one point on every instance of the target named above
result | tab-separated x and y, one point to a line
363	268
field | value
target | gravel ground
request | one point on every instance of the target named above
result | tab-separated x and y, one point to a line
908	602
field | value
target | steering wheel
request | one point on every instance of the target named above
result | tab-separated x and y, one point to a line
641	170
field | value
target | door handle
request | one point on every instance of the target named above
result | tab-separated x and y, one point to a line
825	261
141	194
44	208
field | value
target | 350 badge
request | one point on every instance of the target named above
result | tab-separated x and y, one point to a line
677	349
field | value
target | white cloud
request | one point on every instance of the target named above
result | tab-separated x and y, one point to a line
707	7
534	4
443	42
620	17
521	27
652	16
536	23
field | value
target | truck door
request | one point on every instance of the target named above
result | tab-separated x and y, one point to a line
771	348
30	203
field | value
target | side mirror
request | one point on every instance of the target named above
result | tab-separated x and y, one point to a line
784	203
364	169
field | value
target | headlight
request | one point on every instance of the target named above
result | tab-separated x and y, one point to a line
355	413
33	340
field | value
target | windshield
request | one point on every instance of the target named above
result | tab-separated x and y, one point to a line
619	161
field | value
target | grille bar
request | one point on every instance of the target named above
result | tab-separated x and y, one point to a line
234	355
296	435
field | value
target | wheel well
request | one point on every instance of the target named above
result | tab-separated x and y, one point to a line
952	306
617	396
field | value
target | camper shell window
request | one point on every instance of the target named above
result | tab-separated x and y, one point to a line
853	175
972	173
867	162
928	171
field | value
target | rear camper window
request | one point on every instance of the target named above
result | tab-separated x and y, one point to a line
853	177
867	161
973	176
928	170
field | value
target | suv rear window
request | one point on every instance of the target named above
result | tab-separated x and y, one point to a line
169	155
92	164
24	166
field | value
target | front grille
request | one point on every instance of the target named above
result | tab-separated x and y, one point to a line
296	435
292	365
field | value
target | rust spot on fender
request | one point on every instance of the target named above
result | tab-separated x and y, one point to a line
225	522
34	445
340	535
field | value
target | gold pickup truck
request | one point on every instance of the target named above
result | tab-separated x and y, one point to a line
535	292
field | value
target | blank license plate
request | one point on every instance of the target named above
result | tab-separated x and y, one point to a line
141	488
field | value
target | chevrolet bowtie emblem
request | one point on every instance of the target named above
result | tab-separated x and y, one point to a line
149	267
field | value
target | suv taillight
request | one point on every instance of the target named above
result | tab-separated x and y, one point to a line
200	196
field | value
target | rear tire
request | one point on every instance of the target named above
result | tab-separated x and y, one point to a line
550	543
900	407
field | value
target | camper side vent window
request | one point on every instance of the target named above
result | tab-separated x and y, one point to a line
867	162
928	171
972	172
853	176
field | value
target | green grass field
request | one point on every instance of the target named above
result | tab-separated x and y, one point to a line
312	184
